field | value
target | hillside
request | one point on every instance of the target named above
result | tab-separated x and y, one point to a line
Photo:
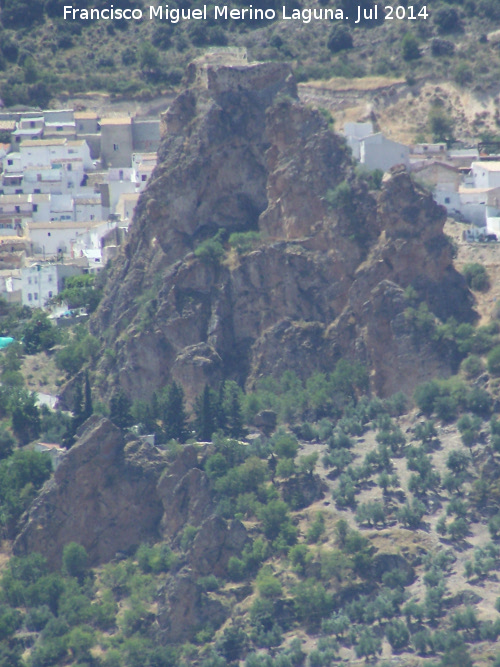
44	57
279	442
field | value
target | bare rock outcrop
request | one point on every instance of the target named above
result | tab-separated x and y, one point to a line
184	492
327	279
111	495
100	496
184	609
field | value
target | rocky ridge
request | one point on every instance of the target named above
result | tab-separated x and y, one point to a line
241	153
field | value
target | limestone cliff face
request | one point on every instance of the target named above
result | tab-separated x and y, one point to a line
110	495
240	153
102	495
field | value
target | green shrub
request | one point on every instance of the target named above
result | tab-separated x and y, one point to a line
285	444
312	603
368	644
244	242
285	468
463	74
21	476
236	569
341	197
410	47
397	635
210	252
300	556
156	559
447	19
78	352
39	333
493	360
274	517
440	125
232	643
472	366
411	515
187	538
316	529
458	529
339	39
268	585
370	513
75	560
476	276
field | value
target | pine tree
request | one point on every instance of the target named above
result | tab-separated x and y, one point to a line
233	411
221	416
78	417
78	410
206	414
119	410
88	407
174	414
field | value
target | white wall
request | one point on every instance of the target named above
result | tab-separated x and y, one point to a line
378	152
38	285
41	282
87	212
484	177
52	240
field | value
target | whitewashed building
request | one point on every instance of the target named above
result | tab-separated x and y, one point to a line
373	149
486	174
41	282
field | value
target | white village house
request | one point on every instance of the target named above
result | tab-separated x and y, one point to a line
373	149
41	282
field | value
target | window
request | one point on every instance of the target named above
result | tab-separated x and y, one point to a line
446	200
30	297
10	162
144	178
70	167
32	123
115	147
48	233
120	174
35	208
50	279
18	139
29	280
36	191
92	217
50	295
17	209
19	191
35	296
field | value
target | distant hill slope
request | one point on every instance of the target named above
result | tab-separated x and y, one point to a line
43	56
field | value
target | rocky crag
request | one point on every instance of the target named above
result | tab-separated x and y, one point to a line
112	493
326	279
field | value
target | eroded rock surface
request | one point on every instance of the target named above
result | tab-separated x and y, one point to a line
100	496
240	153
